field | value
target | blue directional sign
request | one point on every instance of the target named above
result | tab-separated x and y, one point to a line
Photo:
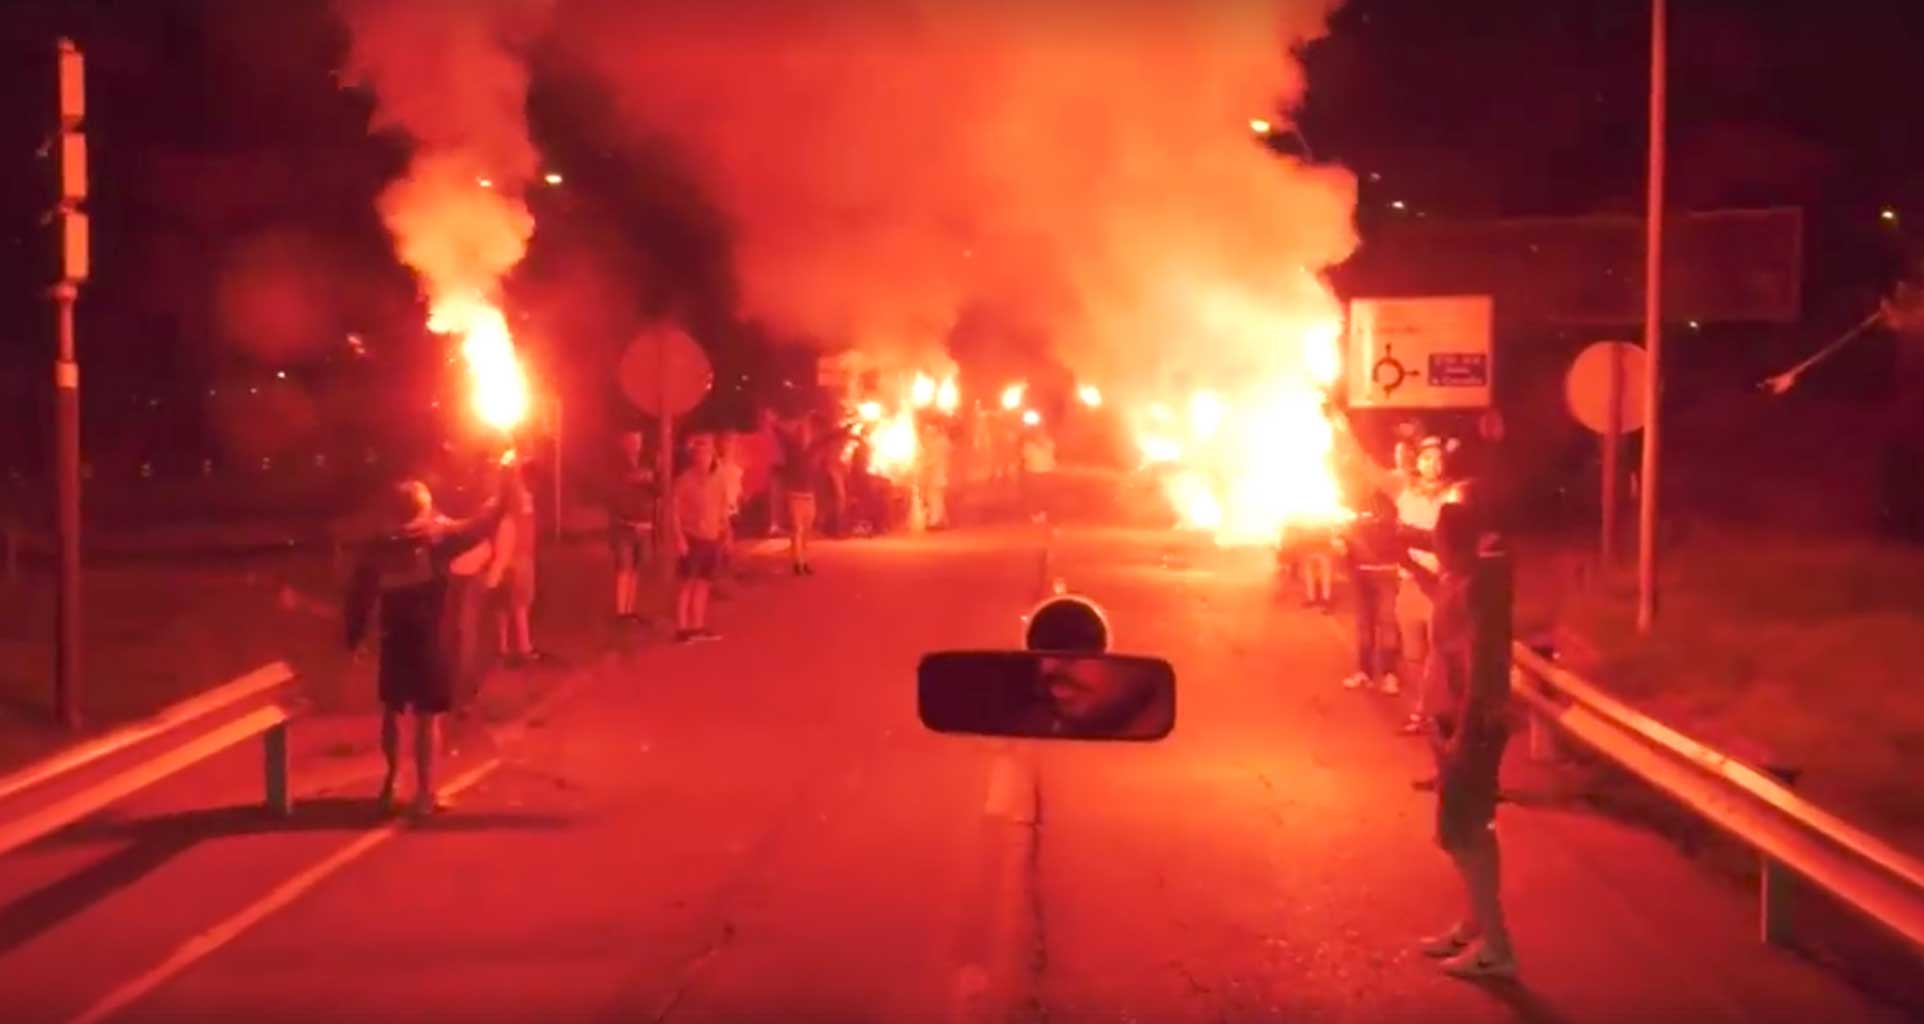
1459	370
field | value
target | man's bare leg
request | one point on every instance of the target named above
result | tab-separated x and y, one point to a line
625	580
427	737
390	749
523	635
698	604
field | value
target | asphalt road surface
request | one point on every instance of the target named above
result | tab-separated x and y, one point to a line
759	829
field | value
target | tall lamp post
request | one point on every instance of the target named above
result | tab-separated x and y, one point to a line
1653	333
71	223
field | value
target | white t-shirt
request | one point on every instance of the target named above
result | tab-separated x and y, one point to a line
730	472
1417	507
701	505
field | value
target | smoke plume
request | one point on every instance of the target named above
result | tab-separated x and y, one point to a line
1084	168
449	77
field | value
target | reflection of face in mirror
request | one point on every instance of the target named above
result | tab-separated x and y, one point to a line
1057	695
1081	690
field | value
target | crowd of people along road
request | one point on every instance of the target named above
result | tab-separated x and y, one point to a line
819	482
1410	553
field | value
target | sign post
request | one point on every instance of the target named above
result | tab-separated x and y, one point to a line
1605	393
72	229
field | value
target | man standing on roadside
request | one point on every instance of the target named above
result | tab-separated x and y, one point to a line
631	507
729	467
796	475
1468	695
699	512
1419	488
406	574
511	575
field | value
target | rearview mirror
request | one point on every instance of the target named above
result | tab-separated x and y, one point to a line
1047	695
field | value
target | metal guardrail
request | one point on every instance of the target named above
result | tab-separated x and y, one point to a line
1794	838
62	788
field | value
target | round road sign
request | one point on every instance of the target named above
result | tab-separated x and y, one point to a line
663	372
1587	387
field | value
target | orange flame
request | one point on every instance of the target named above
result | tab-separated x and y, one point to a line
500	388
1248	461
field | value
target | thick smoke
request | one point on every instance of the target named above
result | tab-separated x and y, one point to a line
449	76
1086	169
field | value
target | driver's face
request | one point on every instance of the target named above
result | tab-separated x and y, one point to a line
1429	464
1079	688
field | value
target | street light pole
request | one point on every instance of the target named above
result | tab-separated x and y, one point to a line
72	228
1653	333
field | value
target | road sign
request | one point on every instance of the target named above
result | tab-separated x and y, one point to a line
663	372
1424	353
1587	387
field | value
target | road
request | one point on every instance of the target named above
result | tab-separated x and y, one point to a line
759	829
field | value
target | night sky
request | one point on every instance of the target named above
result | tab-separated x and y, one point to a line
214	124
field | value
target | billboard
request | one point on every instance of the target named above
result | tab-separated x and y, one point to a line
1420	353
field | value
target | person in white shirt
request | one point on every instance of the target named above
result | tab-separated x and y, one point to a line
729	468
700	510
1420	488
510	574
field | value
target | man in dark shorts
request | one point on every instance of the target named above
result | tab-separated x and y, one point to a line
700	510
1369	549
406	574
796	474
631	507
1468	692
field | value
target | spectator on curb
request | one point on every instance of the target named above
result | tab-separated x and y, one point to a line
1368	549
1419	488
405	576
698	514
802	467
728	466
1468	731
511	575
631	508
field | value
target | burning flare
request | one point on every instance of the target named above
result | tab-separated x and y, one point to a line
500	388
895	446
1247	462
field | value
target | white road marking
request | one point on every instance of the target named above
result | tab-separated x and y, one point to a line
200	946
994	932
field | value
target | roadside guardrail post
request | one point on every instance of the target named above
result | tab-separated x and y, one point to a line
1774	886
279	793
1543	733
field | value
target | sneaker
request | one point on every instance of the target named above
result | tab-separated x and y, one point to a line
1445	945
683	636
702	635
1390	685
427	804
808	570
1356	682
1478	962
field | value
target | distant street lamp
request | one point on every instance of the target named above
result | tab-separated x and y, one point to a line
1260	126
